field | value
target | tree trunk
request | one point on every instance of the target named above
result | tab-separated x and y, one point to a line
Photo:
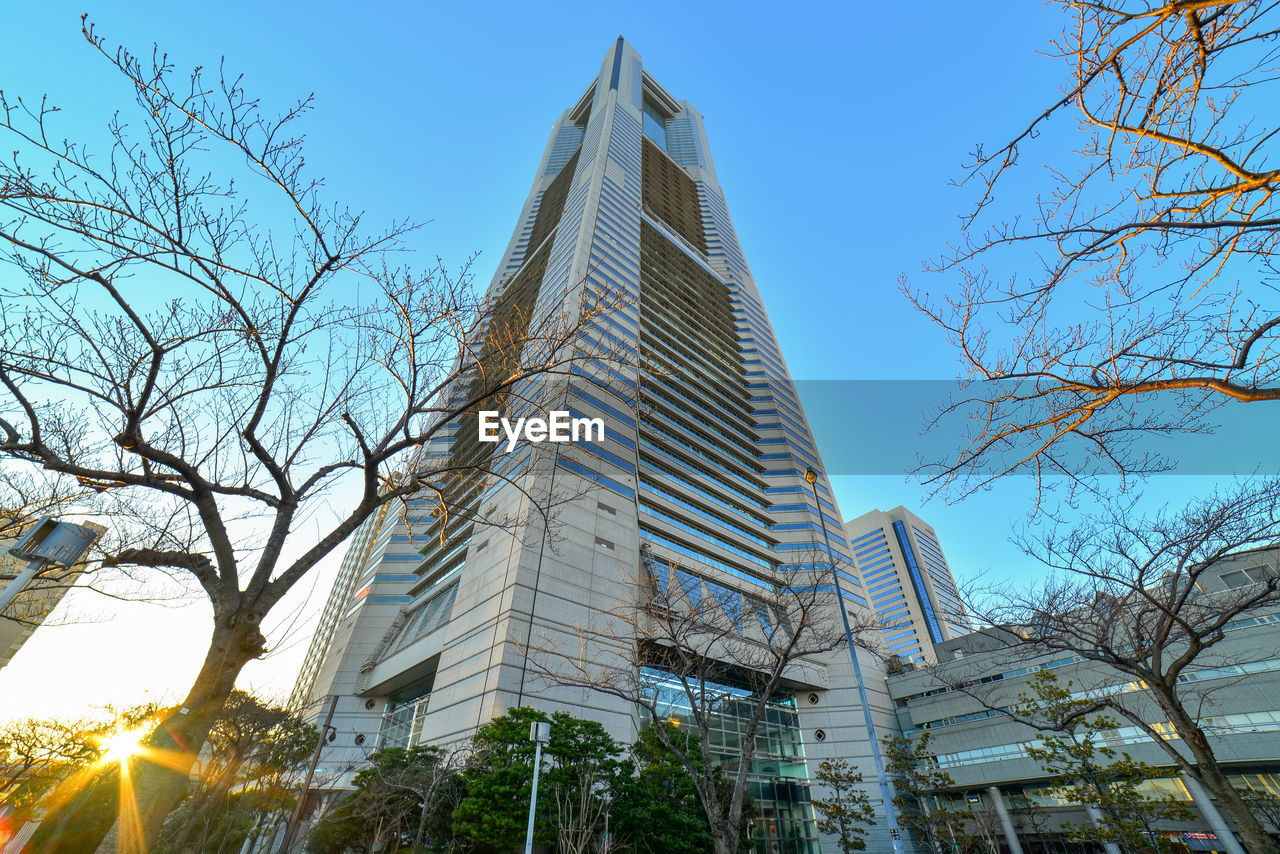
724	846
1253	836
150	790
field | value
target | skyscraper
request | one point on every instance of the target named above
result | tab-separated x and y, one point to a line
908	582
702	472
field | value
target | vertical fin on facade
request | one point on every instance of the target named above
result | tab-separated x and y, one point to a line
617	64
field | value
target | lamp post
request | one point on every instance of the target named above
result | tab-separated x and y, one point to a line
539	734
323	735
895	835
48	542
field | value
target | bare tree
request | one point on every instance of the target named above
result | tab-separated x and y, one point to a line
1144	269
582	808
1265	804
695	650
190	332
36	754
25	497
1158	601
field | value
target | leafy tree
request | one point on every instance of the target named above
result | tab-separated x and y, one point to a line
431	775
656	810
382	812
1087	771
582	770
36	755
253	753
846	812
923	795
91	786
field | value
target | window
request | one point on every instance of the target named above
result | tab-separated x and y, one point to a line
655	125
1244	577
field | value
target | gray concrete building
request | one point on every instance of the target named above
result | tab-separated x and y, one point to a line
908	582
700	482
1235	691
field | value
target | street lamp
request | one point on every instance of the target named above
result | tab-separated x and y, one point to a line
895	836
48	542
539	734
324	734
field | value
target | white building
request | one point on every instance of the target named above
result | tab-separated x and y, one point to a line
425	636
908	582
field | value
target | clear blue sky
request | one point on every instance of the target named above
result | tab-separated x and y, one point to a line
835	129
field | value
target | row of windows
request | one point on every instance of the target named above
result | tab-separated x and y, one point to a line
595	477
651	536
425	618
1242	623
711	517
1251	722
876	566
877	534
779	396
882	585
880	603
706	536
732	602
880	571
650	465
651	427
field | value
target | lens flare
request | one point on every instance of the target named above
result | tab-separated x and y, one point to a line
122	746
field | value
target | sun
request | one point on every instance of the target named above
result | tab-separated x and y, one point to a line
122	746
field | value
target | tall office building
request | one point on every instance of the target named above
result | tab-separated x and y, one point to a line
700	479
908	582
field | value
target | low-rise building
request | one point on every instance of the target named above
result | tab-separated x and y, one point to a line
964	704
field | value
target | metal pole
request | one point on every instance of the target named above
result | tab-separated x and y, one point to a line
533	797
1211	814
296	818
1006	823
890	813
13	588
1095	818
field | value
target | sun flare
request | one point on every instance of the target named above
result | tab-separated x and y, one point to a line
122	746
